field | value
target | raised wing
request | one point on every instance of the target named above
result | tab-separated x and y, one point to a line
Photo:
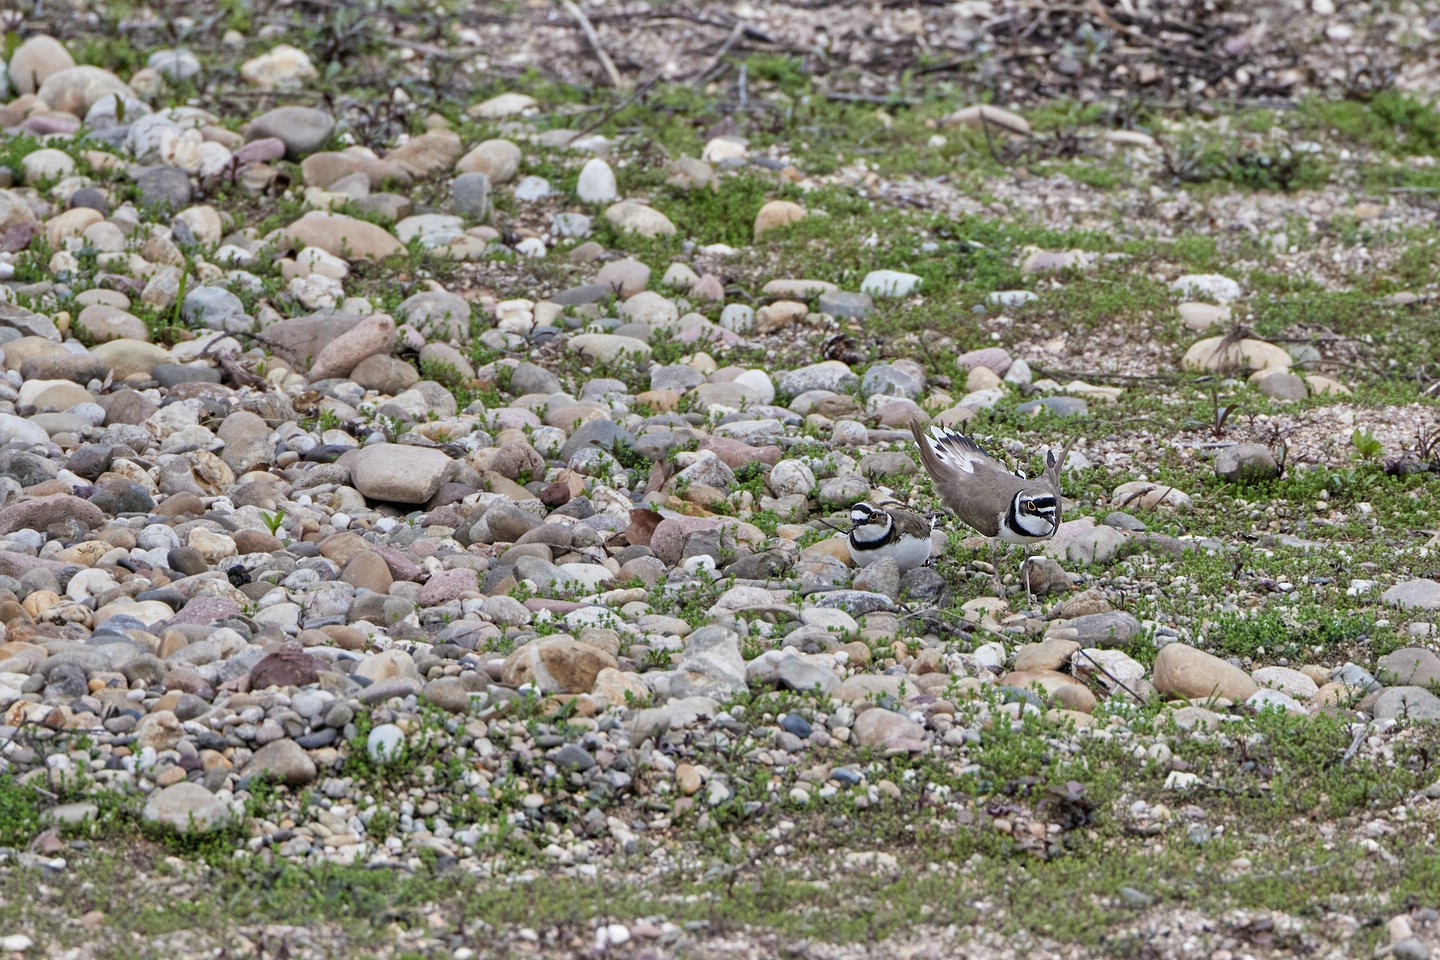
958	452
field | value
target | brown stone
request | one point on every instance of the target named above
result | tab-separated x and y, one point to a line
1183	672
1045	655
777	213
367	571
557	665
342	236
287	667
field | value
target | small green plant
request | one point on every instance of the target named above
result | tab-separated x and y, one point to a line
274	522
1367	447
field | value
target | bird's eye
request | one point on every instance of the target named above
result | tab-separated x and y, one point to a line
1029	506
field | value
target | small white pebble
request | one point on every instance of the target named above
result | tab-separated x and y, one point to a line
611	935
15	943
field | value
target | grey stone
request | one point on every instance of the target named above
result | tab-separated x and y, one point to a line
839	303
386	743
173	374
797	673
187	807
1121	520
1060	406
1413	595
572	225
1046	577
584	294
210	307
604	434
529	378
1246	463
164	187
116	495
507	523
399	474
890	381
470	192
1355	676
711	666
675	377
855	602
303	130
1406	703
573	758
829	375
439	314
886	463
1410	948
925	586
176	64
532	188
1409	667
283	760
1282	385
882	576
1111	629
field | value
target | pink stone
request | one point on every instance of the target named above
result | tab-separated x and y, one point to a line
18	564
42	124
264	150
668	540
997	359
536	604
899	413
369	337
515	418
401	566
206	610
695	330
735	453
40	513
448	585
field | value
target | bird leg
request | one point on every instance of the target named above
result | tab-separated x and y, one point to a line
1025	575
996	583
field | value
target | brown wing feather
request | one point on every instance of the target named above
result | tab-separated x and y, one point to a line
910	524
975	498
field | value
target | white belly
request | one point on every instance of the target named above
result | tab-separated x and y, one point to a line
908	553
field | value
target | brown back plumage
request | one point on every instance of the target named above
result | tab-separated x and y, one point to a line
975	486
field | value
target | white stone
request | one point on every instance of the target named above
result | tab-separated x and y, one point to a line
738	317
724	148
1010	298
757	382
889	283
385	743
597	182
1222	290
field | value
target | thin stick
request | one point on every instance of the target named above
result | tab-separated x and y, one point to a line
640	93
588	28
736	32
1118	683
1354	746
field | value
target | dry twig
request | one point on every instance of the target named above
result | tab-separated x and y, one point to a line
578	15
